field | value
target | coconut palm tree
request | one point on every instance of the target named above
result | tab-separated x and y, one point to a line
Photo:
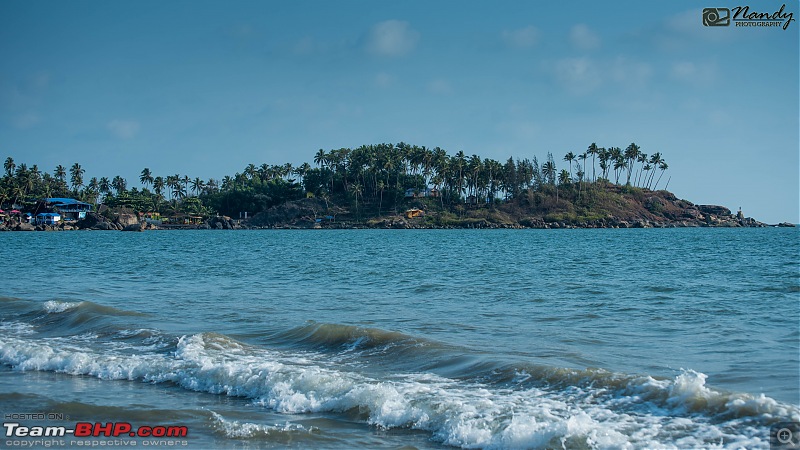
592	150
119	184
197	186
630	155
549	172
662	165
60	173
569	157
9	166
76	177
146	178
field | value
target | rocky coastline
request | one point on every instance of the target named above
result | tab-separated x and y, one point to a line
668	212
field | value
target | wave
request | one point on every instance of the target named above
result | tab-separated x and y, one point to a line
521	407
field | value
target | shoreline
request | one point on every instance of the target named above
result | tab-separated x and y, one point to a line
347	225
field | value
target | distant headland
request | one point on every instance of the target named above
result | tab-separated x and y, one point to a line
371	186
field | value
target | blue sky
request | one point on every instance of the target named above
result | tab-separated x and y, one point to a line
203	88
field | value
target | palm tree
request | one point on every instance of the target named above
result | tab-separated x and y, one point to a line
320	158
569	157
564	177
604	155
104	185
9	166
158	185
76	176
197	186
119	184
642	158
60	173
549	171
592	150
631	155
663	166
146	178
94	189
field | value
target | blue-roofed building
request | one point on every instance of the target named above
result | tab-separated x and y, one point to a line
47	218
69	208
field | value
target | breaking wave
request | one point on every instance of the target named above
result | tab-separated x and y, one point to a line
499	406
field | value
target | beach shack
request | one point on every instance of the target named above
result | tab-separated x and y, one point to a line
413	213
69	208
47	218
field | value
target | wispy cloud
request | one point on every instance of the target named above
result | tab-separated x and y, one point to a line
583	38
440	86
391	38
694	73
583	75
577	75
522	38
123	129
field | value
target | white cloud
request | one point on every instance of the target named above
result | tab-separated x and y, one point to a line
690	72
123	129
577	75
391	38
523	38
439	86
583	75
630	73
583	38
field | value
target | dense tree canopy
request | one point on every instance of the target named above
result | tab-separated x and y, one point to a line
375	177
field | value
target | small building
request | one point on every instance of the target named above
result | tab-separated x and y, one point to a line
69	208
47	218
153	218
183	219
414	213
417	193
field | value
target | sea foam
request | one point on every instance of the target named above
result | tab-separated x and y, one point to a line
630	412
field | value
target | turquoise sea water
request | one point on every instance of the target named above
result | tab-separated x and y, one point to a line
665	338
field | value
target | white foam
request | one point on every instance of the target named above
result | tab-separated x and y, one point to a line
244	430
53	306
642	412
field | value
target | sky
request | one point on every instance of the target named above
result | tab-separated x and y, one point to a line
204	88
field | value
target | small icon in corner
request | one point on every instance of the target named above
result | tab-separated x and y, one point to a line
784	436
716	17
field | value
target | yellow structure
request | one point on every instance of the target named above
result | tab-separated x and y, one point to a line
414	212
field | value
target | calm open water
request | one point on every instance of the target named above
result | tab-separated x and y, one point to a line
654	338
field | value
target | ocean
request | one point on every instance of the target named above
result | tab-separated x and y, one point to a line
585	338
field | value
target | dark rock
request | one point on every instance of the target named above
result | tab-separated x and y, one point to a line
90	221
102	226
714	209
25	227
135	227
127	219
786	224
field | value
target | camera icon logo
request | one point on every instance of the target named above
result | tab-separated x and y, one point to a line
716	17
